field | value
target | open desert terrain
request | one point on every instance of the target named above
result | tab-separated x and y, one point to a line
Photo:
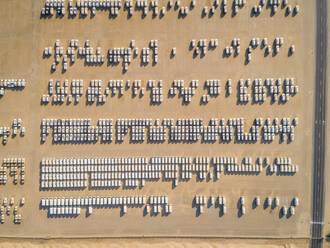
26	32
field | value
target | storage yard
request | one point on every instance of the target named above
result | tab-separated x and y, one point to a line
158	119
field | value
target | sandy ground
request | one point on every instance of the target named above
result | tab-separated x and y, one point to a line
173	243
22	40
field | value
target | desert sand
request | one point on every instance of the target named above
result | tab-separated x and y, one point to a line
23	38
